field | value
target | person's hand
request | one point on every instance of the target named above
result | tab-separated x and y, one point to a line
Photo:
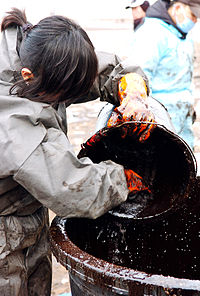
133	107
135	182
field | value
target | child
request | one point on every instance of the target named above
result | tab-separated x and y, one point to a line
39	169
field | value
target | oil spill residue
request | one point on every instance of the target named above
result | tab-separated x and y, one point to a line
169	246
168	243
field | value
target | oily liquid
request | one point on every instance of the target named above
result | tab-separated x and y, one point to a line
168	246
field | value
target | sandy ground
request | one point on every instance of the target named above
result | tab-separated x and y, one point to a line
82	121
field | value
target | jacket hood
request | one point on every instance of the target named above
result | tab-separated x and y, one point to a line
10	65
160	10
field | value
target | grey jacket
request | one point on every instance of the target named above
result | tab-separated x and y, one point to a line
38	164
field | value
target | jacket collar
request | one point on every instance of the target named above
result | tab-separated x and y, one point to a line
160	10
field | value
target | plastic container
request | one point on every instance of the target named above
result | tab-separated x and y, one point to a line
164	161
110	256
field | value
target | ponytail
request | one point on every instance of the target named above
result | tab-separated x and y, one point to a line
16	18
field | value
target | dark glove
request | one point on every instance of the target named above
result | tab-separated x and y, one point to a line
133	107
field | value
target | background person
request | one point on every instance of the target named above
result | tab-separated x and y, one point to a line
139	8
164	51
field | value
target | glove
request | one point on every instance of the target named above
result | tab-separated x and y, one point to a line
133	107
135	182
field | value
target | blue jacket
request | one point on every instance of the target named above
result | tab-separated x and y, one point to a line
167	60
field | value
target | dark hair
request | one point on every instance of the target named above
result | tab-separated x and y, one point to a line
60	55
170	2
145	6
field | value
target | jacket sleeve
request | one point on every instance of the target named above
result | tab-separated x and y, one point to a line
110	70
71	187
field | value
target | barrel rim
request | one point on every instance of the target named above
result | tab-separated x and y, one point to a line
70	256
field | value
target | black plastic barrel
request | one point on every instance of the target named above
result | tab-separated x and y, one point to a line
110	256
155	253
150	256
165	162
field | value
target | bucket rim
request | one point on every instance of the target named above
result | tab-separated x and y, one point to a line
105	130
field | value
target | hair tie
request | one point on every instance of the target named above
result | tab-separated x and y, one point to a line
26	28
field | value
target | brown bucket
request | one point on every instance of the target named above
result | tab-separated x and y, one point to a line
165	162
